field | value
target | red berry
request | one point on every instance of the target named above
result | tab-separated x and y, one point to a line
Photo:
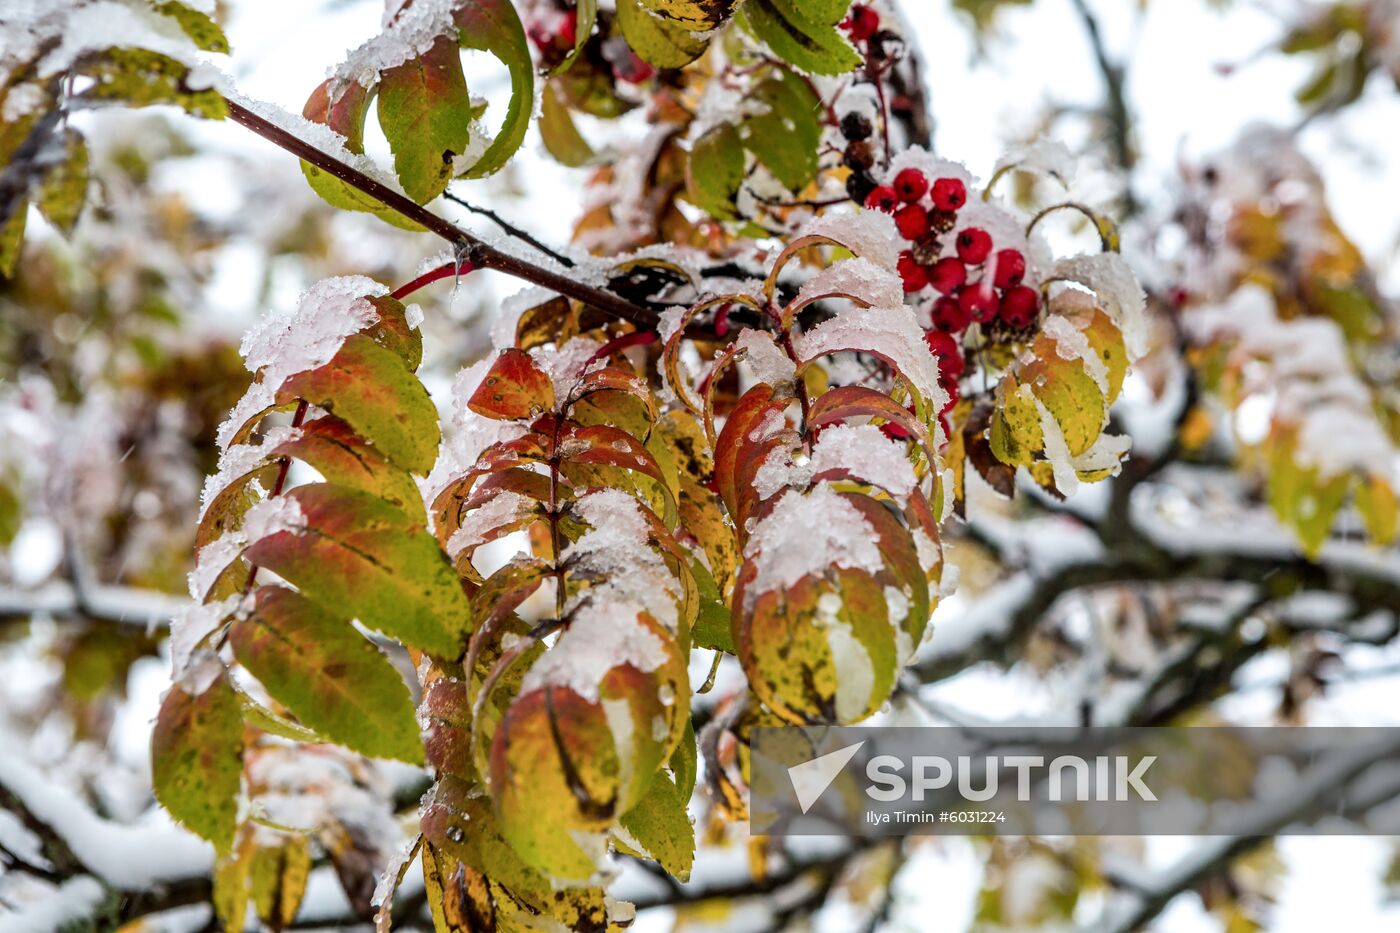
1018	305
978	302
949	194
862	23
948	351
912	221
949	315
948	275
954	393
974	246
882	198
910	184
633	69
893	431
1011	268
914	275
568	28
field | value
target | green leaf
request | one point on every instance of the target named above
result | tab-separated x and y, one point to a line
11	512
277	879
369	388
64	190
805	40
561	138
662	826
685	763
715	171
586	12
493	26
363	556
331	678
197	759
786	135
345	114
711	628
662	42
427	117
202	30
141	77
12	238
1379	507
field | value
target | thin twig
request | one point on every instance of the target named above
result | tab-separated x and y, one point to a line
511	229
1115	104
479	253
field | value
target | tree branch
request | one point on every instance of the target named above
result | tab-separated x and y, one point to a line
1115	105
480	254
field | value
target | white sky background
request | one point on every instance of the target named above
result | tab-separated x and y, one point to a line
1183	106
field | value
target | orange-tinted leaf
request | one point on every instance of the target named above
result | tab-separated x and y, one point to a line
331	678
514	388
369	388
197	759
364	557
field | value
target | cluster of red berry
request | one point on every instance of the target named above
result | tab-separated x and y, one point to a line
976	285
997	292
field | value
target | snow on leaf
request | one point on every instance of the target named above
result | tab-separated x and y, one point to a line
808	533
768	362
281	345
1110	277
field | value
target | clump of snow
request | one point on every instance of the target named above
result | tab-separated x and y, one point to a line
1109	275
80	28
858	278
502	509
871	235
410	32
860	451
192	626
867	453
241	459
281	345
767	360
616	550
669	322
264	519
887	332
602	635
317	134
566	365
1044	156
809	533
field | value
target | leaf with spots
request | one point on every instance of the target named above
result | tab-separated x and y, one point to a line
331	678
361	556
426	115
369	388
197	759
514	387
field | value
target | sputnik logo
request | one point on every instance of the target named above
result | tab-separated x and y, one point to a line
811	778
